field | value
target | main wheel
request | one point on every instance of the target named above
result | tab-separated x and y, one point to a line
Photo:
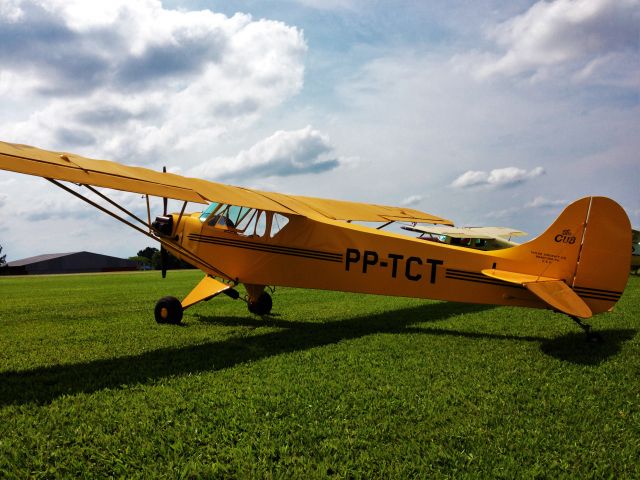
261	306
168	310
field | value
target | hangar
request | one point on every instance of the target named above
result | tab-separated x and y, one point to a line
73	262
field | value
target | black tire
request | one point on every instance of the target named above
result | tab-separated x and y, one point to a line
168	310
261	306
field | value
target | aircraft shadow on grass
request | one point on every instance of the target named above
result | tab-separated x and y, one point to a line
45	384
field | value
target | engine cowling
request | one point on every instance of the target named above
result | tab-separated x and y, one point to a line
163	225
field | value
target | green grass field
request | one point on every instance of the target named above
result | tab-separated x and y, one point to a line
331	385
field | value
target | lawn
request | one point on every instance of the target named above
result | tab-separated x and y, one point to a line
331	385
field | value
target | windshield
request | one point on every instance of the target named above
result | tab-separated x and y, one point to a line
208	211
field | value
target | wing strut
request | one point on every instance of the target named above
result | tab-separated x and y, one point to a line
170	245
119	207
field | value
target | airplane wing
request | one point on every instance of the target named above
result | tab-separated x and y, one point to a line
470	232
500	232
365	212
102	173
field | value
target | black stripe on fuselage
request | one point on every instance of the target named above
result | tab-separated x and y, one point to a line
584	292
261	247
476	277
598	294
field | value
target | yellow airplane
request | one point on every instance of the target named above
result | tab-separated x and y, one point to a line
578	266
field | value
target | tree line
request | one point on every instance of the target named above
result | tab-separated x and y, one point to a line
151	259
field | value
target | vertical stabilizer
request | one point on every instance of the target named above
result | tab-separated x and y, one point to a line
588	248
602	269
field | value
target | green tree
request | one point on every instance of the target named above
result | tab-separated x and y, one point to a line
148	252
155	260
2	258
143	262
172	263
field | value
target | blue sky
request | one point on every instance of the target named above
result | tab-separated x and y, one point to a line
484	112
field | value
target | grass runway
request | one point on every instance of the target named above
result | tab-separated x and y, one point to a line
331	385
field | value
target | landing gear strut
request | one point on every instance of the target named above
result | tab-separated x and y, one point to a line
592	337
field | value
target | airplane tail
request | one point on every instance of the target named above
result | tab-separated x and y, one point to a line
580	264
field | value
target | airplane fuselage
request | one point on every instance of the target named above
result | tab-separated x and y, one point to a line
336	255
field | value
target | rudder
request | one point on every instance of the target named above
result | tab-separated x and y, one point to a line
603	265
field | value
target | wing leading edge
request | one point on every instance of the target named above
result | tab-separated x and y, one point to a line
103	173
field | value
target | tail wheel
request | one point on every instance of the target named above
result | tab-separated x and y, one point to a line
168	310
262	305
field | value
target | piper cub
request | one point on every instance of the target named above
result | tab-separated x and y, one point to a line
578	266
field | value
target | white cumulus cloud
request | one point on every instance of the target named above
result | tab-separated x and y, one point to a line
138	81
282	154
499	177
543	202
412	200
584	39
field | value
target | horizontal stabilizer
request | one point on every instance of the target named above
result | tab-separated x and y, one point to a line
513	277
208	288
557	294
553	292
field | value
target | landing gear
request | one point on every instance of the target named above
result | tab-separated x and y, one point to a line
261	305
168	310
592	337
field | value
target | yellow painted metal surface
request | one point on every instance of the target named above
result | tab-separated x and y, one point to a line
103	173
513	277
334	255
341	210
557	294
207	288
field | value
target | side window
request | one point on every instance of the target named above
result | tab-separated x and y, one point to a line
243	224
235	214
225	216
261	224
278	222
221	217
252	223
245	221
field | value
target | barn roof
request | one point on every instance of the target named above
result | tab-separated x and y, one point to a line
39	258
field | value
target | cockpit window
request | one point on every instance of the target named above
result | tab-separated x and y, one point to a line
210	209
278	222
236	214
253	223
248	222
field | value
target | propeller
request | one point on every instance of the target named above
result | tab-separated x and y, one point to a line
164	255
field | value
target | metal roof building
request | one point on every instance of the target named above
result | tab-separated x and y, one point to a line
73	262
